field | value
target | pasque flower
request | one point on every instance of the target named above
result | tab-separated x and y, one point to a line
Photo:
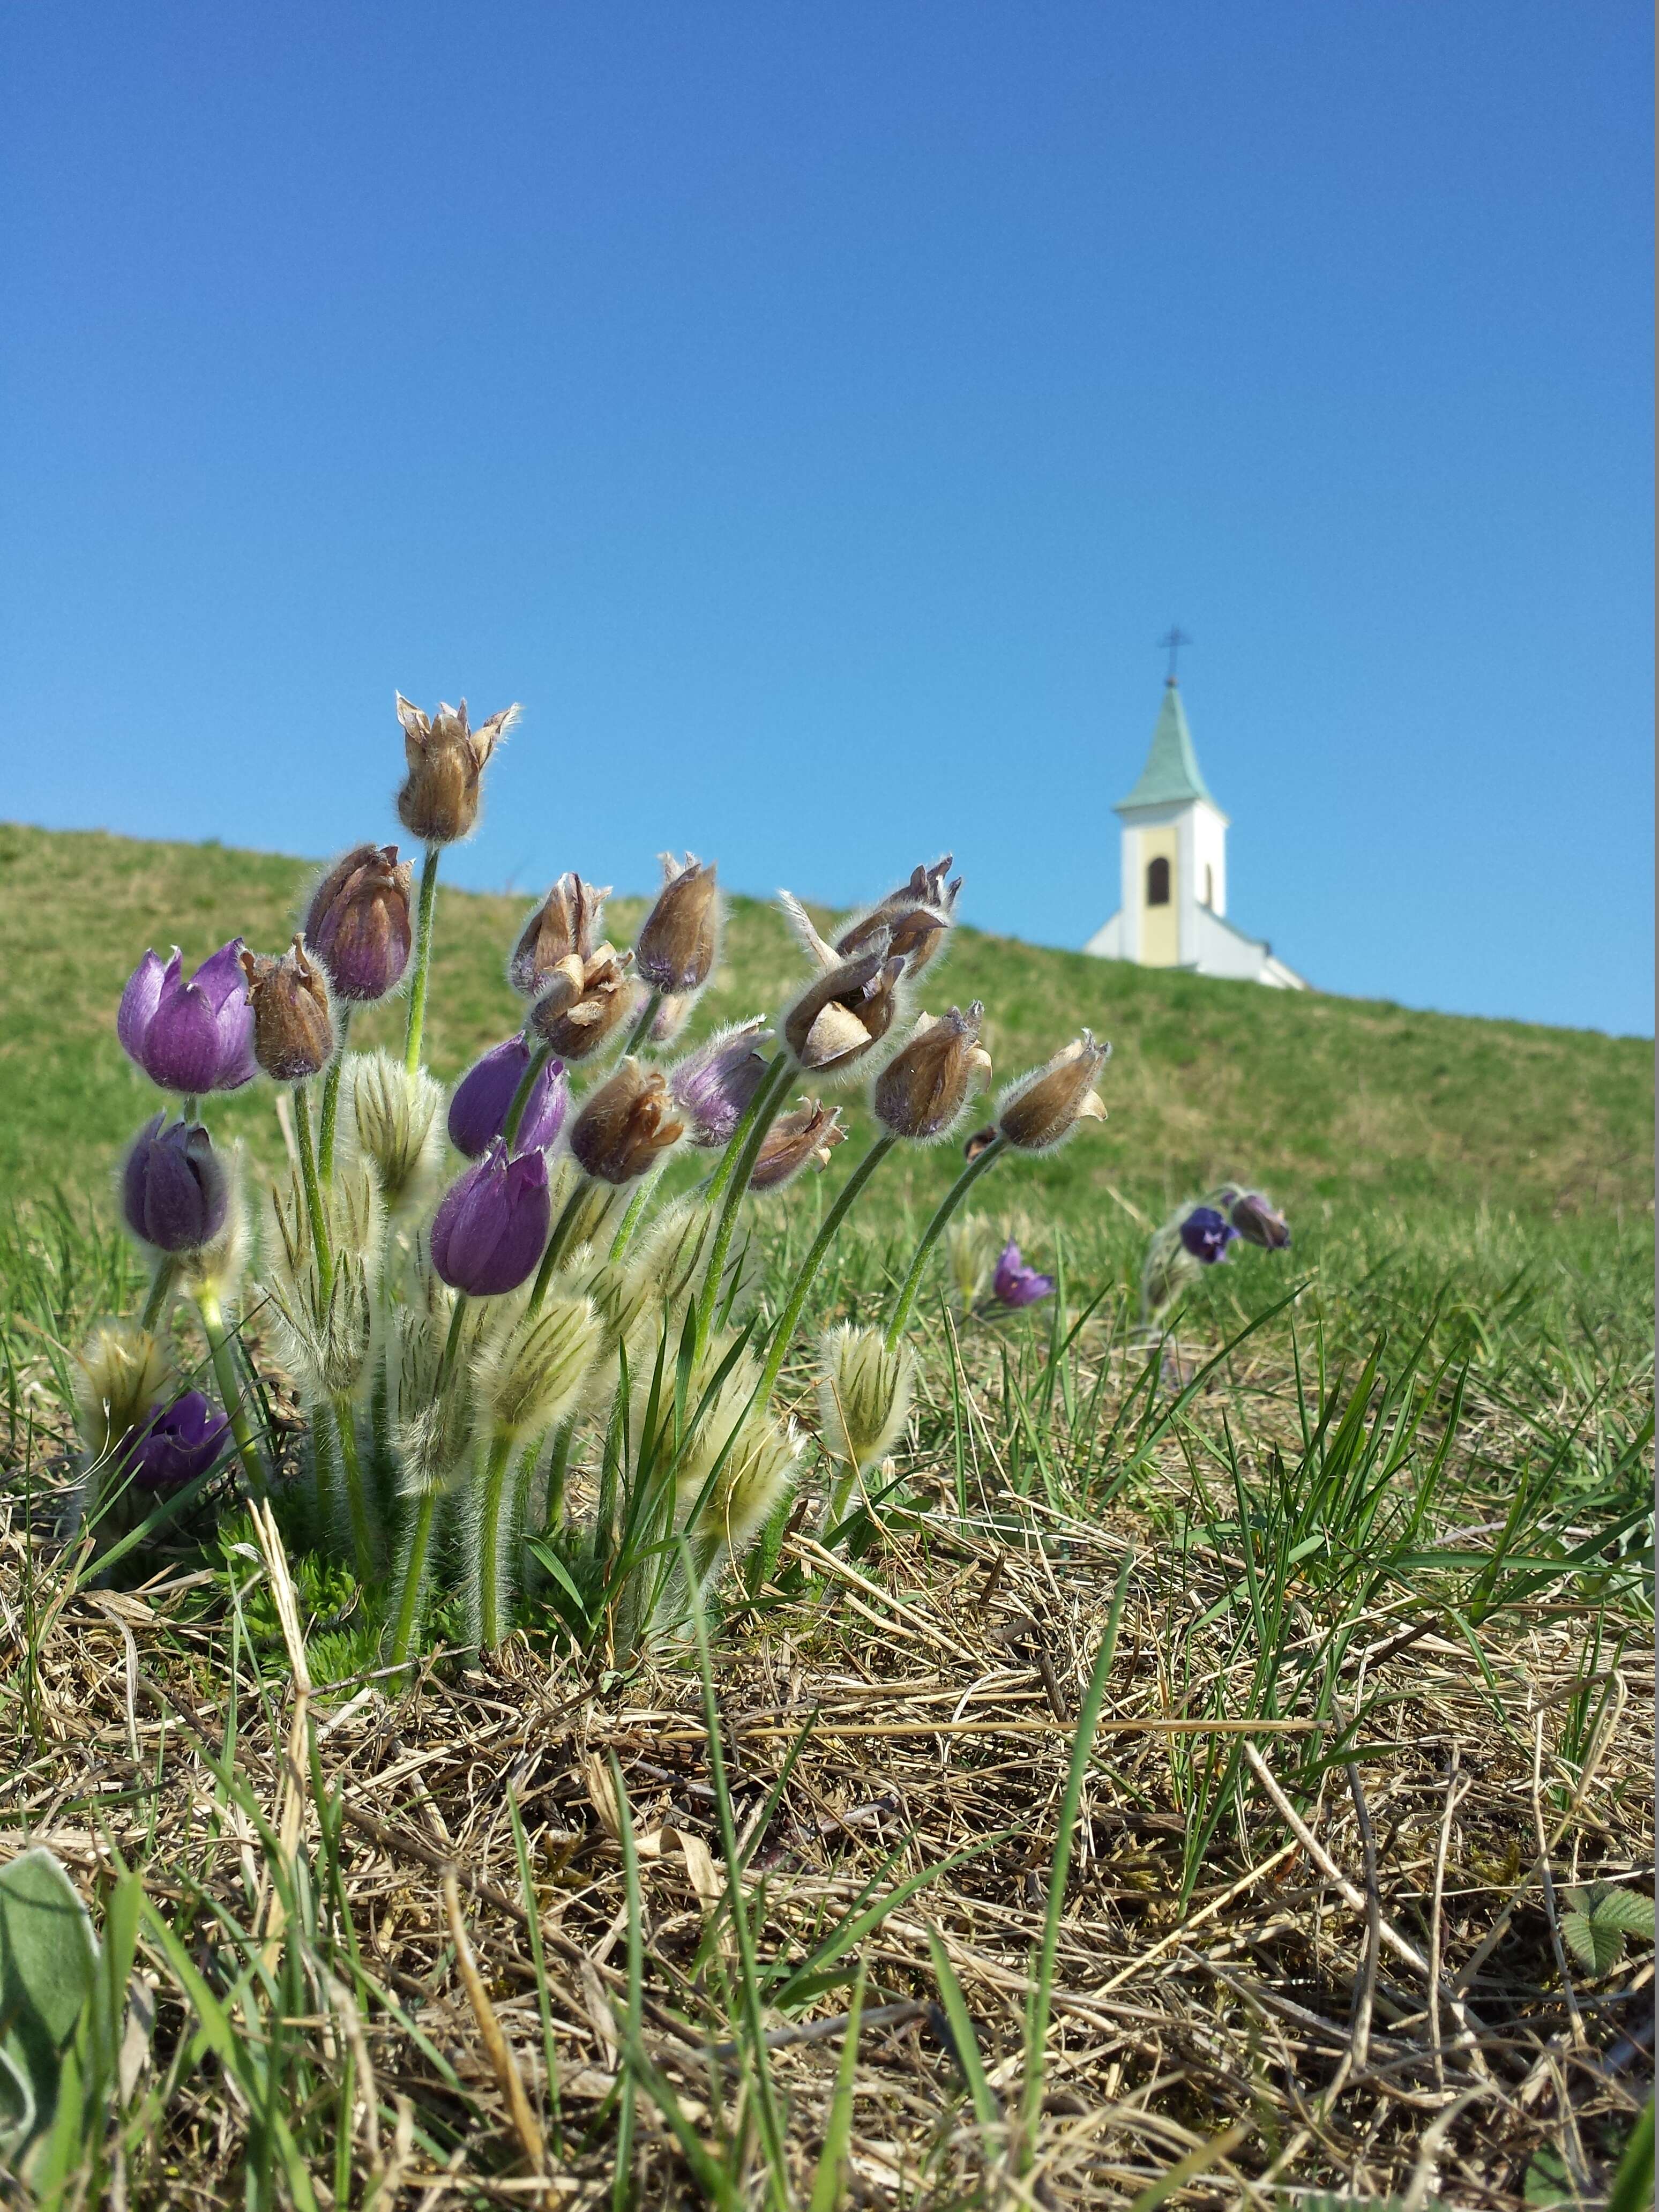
626	1124
675	947
191	1036
585	1001
1254	1219
492	1224
1041	1109
484	1095
562	927
922	1091
438	800
293	1020
845	1011
178	1442
174	1192
1206	1234
802	1138
358	923
1014	1284
917	917
713	1086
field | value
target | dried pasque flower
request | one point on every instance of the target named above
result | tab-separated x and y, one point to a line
1041	1109
1206	1235
803	1138
1016	1284
917	917
677	945
177	1443
712	1086
192	1036
864	1393
293	1020
562	928
492	1224
1254	1218
174	1192
394	1113
121	1372
578	1011
843	1013
626	1125
438	800
483	1098
982	1141
358	923
922	1091
529	1373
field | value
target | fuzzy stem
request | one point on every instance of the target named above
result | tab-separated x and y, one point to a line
427	911
332	1097
191	1109
230	1387
558	1465
931	1235
731	1180
410	1606
630	1220
641	1029
356	1501
161	1284
808	1266
490	1568
556	1244
452	1344
538	1060
313	1191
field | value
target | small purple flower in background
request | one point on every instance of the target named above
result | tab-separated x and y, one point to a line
1254	1218
174	1192
492	1224
483	1098
191	1036
1206	1235
176	1443
1014	1284
713	1085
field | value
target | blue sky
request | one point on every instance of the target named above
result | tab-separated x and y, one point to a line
815	415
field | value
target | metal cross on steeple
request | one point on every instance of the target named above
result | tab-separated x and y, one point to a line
1172	644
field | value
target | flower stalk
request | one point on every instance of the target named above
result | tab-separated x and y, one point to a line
935	1229
230	1387
783	1334
331	1094
426	913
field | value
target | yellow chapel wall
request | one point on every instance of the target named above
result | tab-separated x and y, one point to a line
1160	926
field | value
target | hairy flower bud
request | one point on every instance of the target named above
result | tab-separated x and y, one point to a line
358	923
970	1252
122	1371
192	1036
917	917
803	1138
922	1091
713	1085
675	947
324	1325
438	800
492	1224
578	1011
1254	1218
174	1192
483	1098
757	1475
177	1443
293	1020
626	1125
844	1013
864	1393
395	1115
529	1376
1041	1109
561	928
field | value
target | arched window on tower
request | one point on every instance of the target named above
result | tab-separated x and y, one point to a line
1158	882
1209	884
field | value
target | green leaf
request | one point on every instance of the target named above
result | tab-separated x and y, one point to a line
1624	1910
48	1953
16	2105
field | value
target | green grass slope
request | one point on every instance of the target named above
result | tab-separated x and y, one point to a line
1329	1102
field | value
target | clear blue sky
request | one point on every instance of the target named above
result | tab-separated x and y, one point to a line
815	414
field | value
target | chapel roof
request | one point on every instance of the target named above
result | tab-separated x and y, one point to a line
1171	774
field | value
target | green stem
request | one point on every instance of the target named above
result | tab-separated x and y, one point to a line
538	1060
191	1110
557	1243
161	1282
630	1220
332	1095
452	1344
931	1235
230	1387
731	1180
809	1267
641	1029
357	1499
491	1633
427	911
313	1191
558	1467
414	1572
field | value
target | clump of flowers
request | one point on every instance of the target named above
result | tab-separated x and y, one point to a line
527	1380
1197	1237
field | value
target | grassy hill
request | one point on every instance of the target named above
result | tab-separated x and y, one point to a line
1331	1102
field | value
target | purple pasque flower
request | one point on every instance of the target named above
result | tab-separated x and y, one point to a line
174	1192
492	1223
713	1085
1014	1284
1258	1222
191	1036
483	1098
1206	1235
177	1443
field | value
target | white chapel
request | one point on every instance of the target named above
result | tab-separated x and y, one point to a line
1173	913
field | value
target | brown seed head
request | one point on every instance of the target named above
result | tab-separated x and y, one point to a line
917	917
293	1023
438	801
358	924
1042	1109
675	946
562	925
802	1138
922	1091
584	1001
625	1125
843	1012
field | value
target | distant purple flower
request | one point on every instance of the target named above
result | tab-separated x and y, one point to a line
713	1085
191	1036
1014	1284
173	1191
177	1443
1206	1235
483	1098
492	1224
1257	1222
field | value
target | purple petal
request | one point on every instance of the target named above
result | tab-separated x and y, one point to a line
138	1003
181	1044
220	979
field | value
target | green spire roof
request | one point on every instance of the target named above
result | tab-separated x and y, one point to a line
1170	776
